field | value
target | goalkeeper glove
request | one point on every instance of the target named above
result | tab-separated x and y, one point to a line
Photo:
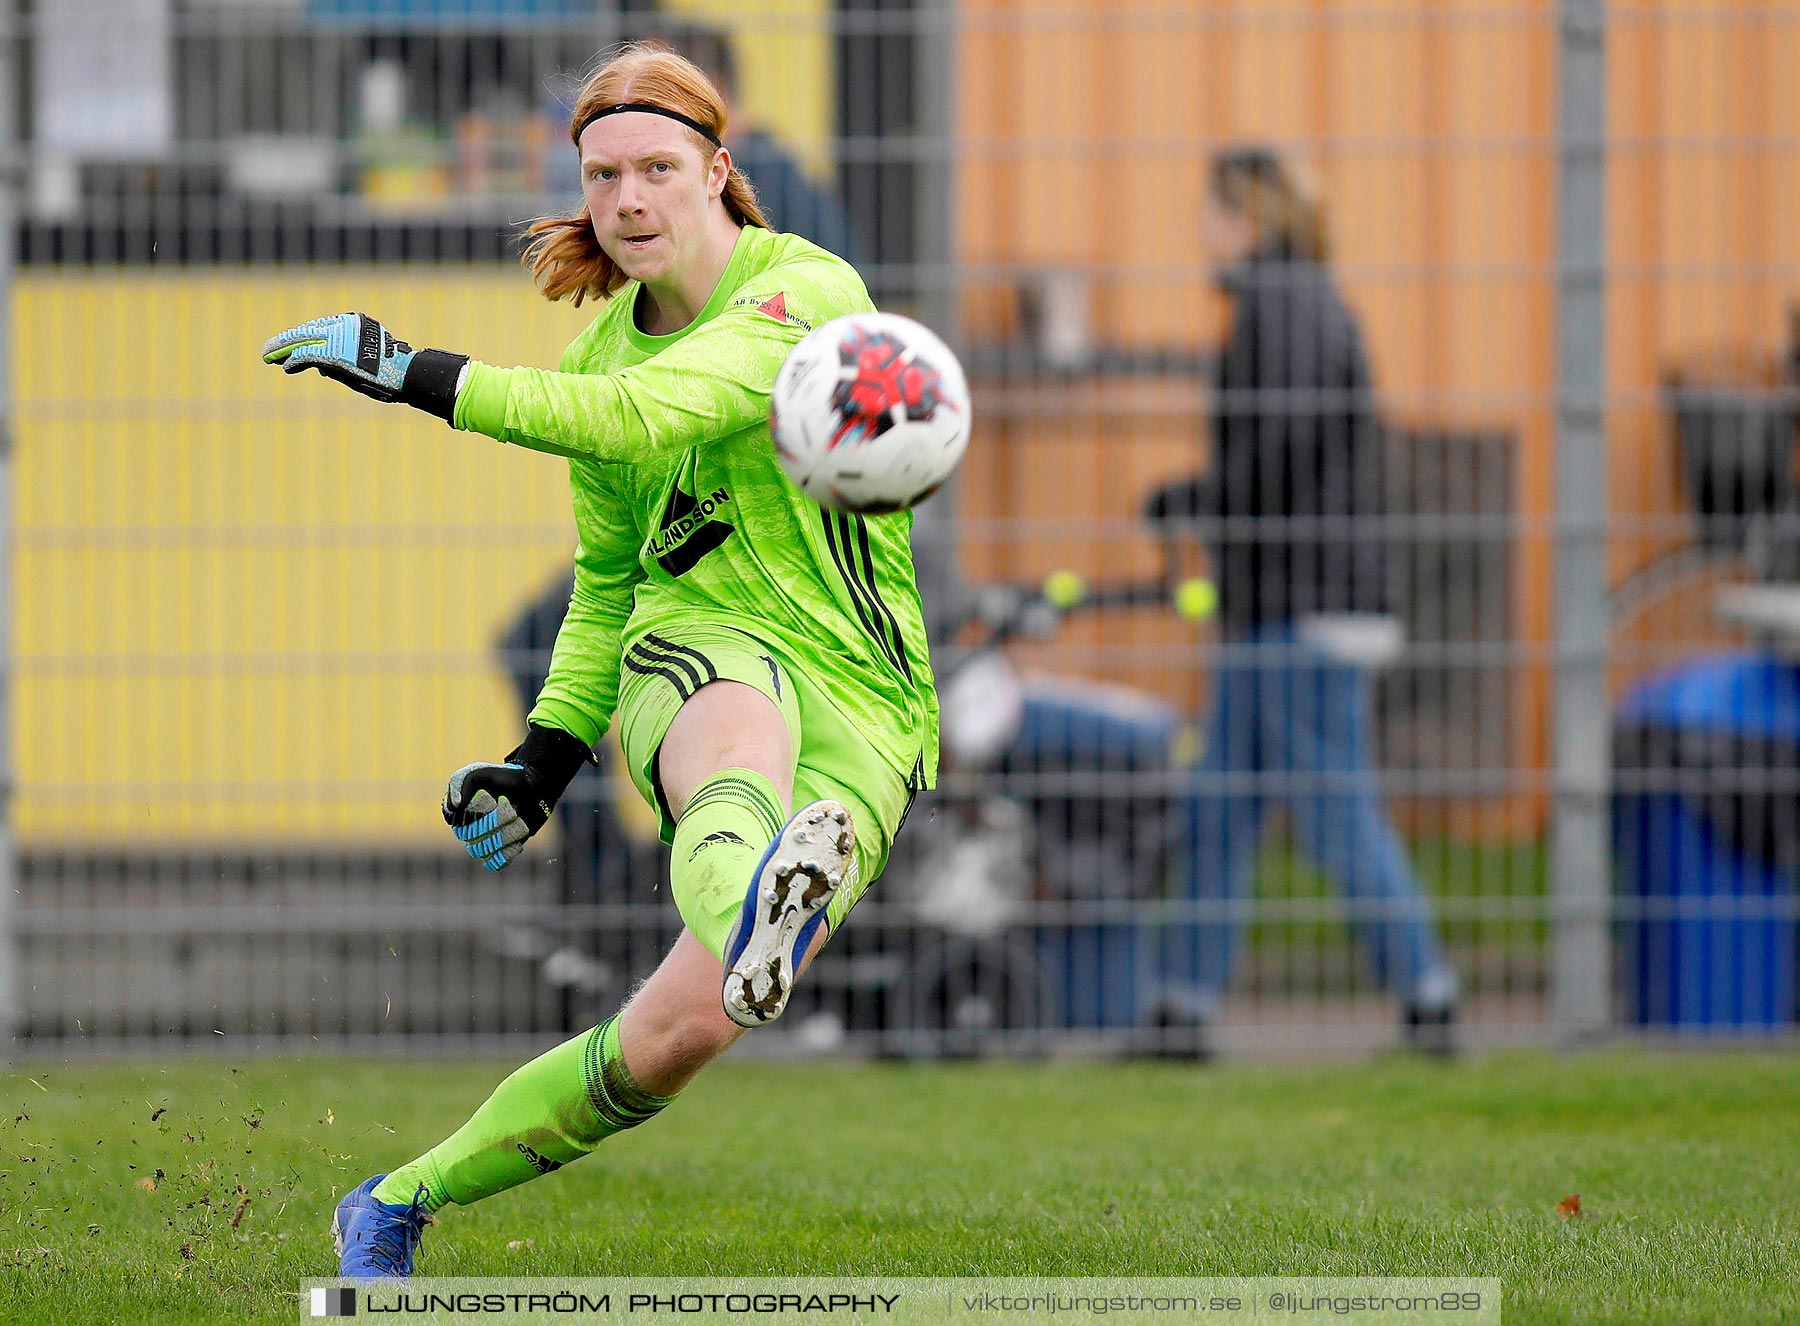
356	350
494	808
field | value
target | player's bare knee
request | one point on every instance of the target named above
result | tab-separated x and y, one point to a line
685	1031
750	750
699	1036
725	725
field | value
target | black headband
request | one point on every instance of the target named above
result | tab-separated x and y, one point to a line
648	109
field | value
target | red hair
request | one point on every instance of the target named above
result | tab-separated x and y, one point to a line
565	258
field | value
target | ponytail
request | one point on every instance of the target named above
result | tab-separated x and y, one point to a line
1276	191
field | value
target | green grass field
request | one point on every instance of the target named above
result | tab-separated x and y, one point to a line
200	1190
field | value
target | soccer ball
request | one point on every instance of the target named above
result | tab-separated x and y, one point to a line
870	413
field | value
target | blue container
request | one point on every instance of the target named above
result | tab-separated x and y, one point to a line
1714	945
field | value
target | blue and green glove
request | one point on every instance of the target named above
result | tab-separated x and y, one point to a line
494	808
356	350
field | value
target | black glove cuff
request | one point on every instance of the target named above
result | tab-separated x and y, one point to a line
553	757
430	383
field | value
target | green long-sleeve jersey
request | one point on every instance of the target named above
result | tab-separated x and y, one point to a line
684	514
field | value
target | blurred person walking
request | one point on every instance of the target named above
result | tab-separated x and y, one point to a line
1290	509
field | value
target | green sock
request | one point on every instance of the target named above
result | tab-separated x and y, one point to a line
555	1109
729	823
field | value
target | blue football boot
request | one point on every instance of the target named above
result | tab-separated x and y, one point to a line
377	1240
783	909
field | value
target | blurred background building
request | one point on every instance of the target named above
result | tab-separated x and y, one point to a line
241	644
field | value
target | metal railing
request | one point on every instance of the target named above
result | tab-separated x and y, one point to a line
1557	804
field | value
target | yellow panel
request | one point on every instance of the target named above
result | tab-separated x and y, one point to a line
255	607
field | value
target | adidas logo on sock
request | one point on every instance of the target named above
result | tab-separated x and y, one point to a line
541	1163
722	836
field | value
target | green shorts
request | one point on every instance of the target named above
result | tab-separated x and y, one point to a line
660	672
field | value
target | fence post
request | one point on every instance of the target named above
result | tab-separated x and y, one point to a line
11	176
936	284
1579	854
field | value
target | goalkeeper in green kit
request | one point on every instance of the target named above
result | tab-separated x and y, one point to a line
762	659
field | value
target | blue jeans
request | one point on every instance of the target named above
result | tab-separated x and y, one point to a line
1291	724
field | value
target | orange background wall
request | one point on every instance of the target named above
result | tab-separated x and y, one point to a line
1704	233
1085	127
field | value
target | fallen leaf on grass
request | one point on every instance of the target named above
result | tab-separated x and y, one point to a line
148	1185
1569	1206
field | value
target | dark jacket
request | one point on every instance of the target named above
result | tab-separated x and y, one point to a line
794	203
1289	506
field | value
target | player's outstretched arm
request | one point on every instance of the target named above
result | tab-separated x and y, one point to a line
714	383
711	384
356	350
